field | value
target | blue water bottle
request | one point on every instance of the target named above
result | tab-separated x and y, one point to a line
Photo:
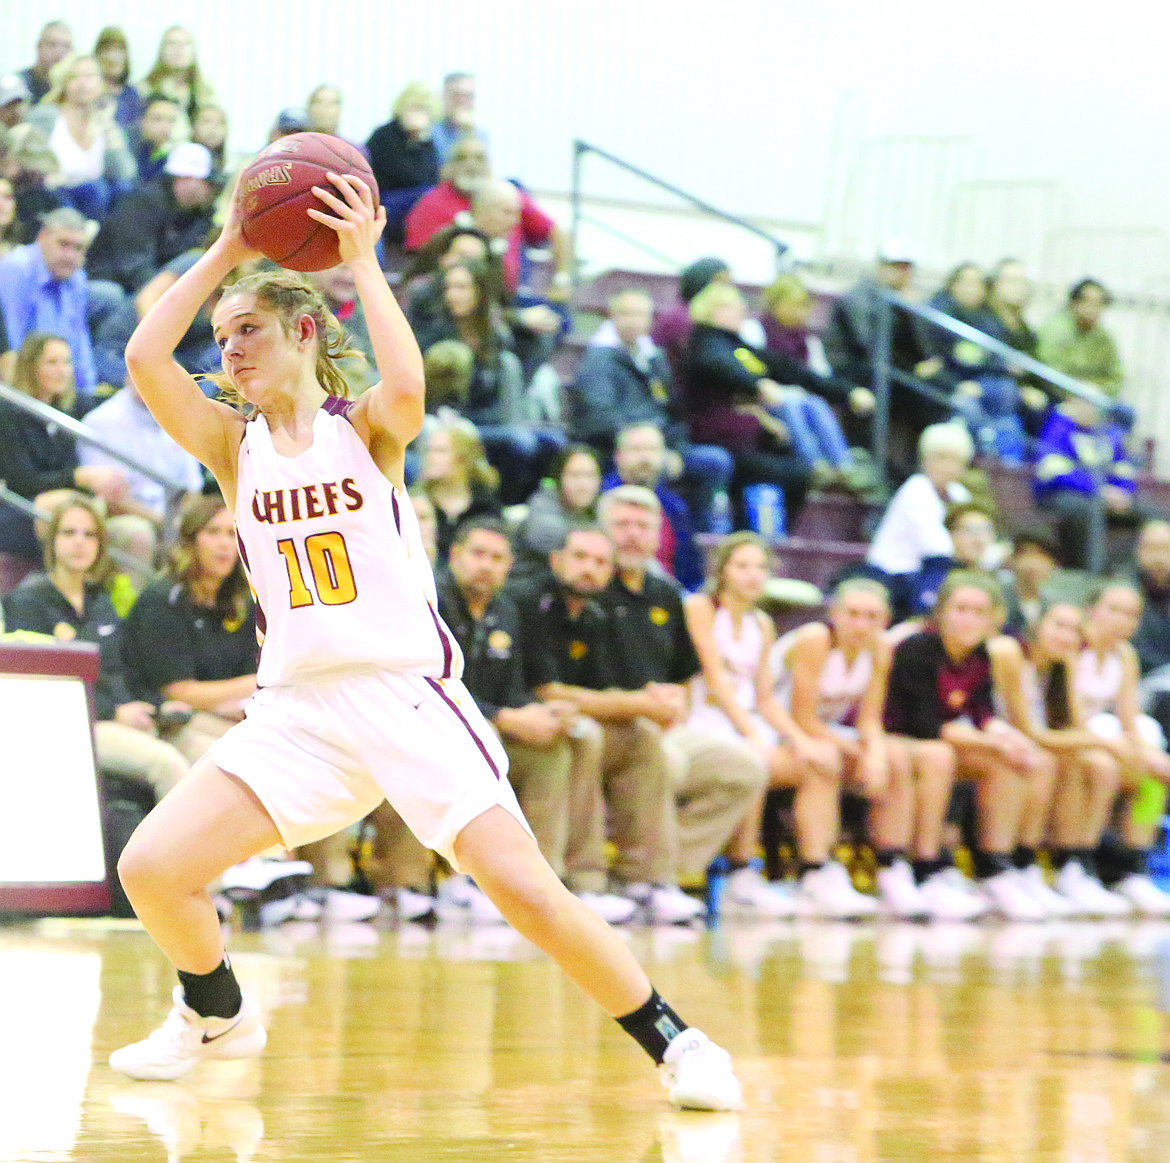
764	505
720	521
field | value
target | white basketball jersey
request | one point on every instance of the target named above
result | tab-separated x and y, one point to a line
1097	682
335	559
842	683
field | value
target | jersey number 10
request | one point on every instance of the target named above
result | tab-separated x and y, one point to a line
329	565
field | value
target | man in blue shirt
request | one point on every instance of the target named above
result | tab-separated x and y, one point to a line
43	288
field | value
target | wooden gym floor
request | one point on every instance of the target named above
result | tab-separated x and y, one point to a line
855	1044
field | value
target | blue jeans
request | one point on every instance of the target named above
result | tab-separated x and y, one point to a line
707	470
994	419
815	431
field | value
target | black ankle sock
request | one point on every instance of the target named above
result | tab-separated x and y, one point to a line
886	857
1023	857
212	995
925	869
811	866
989	864
1118	863
653	1025
1062	856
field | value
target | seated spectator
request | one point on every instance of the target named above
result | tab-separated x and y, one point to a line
972	529
176	74
1150	575
458	117
337	286
567	497
124	422
157	222
730	395
152	135
54	44
448	368
191	635
94	162
468	172
1081	461
70	603
210	130
1009	291
403	156
14	100
641	459
457	479
9	226
1075	341
31	167
424	512
850	340
112	52
324	114
672	327
630	383
912	533
424	278
1033	561
136	539
37	460
986	394
44	288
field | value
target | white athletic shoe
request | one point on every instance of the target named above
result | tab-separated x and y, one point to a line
185	1039
1088	896
698	1074
695	1137
1144	895
747	894
298	907
665	904
408	905
262	878
460	899
608	906
1010	899
950	896
828	892
898	895
1054	903
340	905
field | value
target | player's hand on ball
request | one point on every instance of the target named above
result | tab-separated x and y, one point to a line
231	237
357	224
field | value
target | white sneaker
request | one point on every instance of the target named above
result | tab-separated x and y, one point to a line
1144	895
691	1137
665	904
828	892
698	1074
340	905
1088	896
262	878
408	905
1010	899
898	895
185	1039
608	906
1054	903
747	894
298	907
460	899
950	896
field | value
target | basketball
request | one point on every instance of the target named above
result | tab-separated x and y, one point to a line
276	189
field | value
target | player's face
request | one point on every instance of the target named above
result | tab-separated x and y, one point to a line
54	370
858	618
76	543
746	573
1058	633
480	565
215	546
584	567
1116	615
580	480
635	532
257	355
966	619
460	293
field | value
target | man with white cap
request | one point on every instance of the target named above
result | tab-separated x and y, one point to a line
14	100
158	221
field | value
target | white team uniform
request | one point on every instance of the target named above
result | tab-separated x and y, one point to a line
841	686
1097	682
359	695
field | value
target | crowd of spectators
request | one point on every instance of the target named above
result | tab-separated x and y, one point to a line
628	666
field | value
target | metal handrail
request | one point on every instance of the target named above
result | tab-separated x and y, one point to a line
50	415
581	148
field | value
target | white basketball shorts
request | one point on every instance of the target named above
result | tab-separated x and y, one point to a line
323	755
1108	726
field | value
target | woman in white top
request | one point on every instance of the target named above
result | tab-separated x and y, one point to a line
359	695
1106	683
733	639
94	162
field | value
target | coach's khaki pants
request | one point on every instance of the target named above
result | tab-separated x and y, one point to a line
128	752
715	780
621	787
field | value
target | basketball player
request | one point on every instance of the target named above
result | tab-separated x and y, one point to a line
358	697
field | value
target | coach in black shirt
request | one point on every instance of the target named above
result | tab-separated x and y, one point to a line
717	780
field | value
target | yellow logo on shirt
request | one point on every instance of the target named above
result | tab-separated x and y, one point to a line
659	616
499	642
64	632
577	650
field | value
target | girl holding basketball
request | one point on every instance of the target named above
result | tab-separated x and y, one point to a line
359	696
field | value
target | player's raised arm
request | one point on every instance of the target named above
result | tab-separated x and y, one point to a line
206	429
394	406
